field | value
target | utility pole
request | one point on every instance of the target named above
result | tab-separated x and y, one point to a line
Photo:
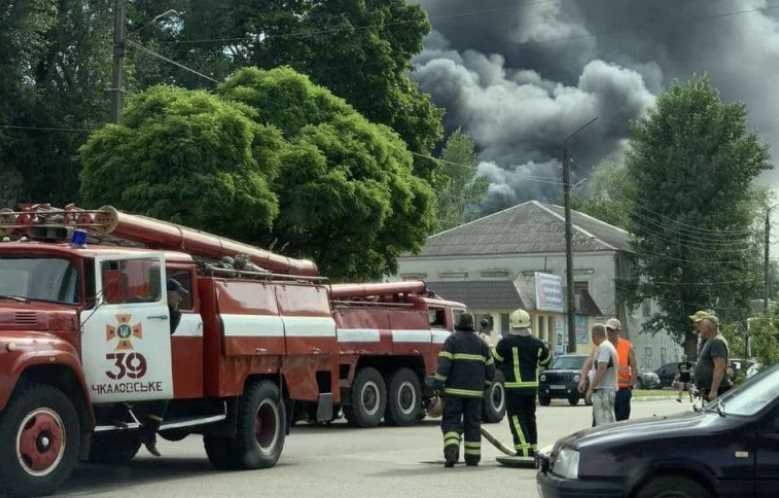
117	85
765	257
570	295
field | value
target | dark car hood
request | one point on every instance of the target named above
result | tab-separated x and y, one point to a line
683	424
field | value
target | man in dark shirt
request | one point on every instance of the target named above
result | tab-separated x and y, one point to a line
710	371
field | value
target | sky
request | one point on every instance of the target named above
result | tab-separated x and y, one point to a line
520	75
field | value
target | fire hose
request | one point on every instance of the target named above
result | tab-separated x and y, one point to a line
435	409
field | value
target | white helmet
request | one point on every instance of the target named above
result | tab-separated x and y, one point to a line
519	319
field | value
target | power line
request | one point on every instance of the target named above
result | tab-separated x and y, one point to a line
148	51
46	128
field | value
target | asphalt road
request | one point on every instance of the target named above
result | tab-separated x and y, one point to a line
341	462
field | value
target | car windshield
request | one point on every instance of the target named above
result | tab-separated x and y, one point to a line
753	395
568	363
39	278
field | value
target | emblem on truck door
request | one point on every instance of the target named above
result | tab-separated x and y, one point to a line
124	332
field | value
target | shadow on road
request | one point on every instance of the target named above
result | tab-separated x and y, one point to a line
90	479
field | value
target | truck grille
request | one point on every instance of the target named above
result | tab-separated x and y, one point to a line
26	318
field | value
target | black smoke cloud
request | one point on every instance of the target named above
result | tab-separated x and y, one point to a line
518	75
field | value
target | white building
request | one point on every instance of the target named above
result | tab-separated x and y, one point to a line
491	265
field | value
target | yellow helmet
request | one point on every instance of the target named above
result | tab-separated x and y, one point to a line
519	319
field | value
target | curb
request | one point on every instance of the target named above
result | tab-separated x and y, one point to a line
654	398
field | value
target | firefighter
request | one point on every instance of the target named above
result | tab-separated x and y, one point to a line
465	368
518	356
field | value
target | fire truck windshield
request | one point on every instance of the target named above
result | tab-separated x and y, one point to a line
39	278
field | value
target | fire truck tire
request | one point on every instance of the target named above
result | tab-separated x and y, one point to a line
219	451
404	398
495	401
262	426
39	441
368	399
114	448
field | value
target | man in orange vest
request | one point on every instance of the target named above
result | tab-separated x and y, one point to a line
627	375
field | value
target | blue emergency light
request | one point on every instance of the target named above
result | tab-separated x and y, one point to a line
79	238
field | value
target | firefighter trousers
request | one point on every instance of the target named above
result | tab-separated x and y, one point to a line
462	416
521	407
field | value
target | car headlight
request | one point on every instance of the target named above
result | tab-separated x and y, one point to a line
566	465
577	378
542	378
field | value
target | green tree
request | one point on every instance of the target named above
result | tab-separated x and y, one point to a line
610	190
188	157
693	162
459	189
347	193
361	50
763	333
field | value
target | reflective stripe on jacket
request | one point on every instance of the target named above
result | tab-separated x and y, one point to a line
518	357
465	365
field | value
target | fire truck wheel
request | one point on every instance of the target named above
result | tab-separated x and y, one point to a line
39	441
368	399
404	398
495	401
114	448
261	426
219	451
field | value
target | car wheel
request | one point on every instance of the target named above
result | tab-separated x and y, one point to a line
494	406
573	399
40	438
368	399
673	487
544	400
404	403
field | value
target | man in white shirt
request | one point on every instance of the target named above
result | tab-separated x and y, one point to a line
603	378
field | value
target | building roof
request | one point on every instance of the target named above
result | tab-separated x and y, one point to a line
480	294
527	228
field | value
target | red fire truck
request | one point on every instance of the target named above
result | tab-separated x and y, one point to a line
86	345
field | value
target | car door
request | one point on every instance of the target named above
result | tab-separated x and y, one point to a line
767	458
125	337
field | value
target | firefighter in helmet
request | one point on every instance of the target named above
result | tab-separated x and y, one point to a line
465	369
518	356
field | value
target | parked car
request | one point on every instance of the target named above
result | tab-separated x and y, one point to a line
668	372
728	449
648	380
561	380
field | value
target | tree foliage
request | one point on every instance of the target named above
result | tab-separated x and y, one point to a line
346	189
693	162
610	190
270	158
458	188
188	157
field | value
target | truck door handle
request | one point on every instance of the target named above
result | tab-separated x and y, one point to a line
260	350
157	317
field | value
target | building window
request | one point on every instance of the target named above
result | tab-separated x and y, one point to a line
646	309
581	287
495	274
453	274
504	324
662	356
413	276
541	329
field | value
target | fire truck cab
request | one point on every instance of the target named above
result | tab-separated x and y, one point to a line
87	350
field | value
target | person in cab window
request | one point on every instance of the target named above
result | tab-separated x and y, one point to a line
156	410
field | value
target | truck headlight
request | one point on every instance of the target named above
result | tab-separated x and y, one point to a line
566	465
542	378
577	378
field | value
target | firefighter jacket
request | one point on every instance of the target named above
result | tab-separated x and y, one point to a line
465	366
518	357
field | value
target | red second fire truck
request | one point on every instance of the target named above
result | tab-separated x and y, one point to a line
86	345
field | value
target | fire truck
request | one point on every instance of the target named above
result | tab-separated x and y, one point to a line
86	344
